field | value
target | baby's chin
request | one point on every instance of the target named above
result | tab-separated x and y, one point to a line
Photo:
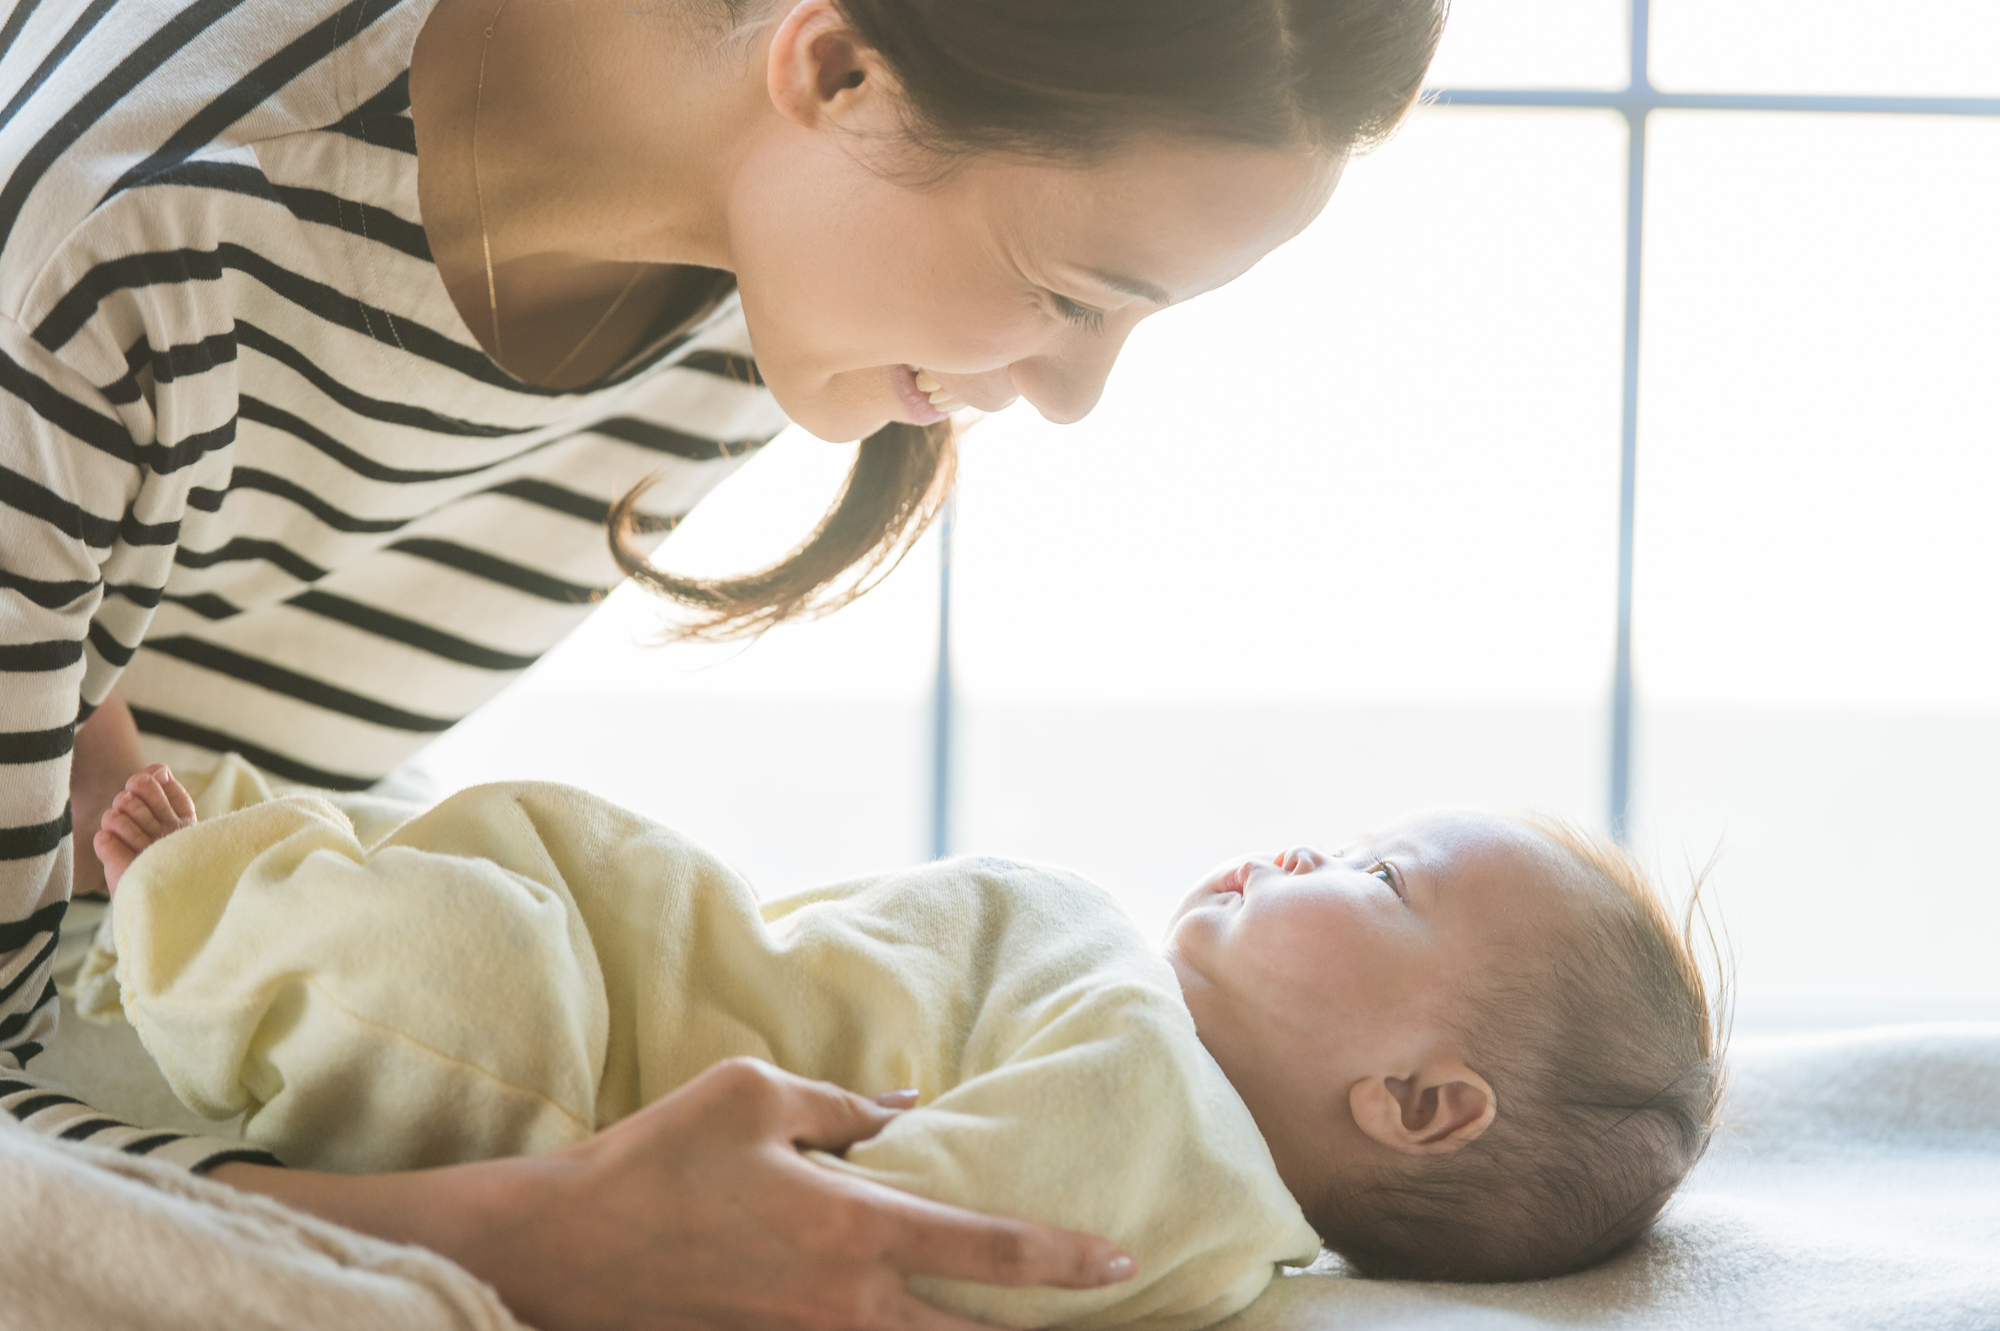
1189	904
1200	923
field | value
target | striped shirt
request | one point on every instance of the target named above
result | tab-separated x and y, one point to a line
254	469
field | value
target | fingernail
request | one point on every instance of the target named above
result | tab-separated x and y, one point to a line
1119	1268
896	1099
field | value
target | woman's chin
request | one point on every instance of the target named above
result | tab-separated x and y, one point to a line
833	425
847	433
839	434
834	421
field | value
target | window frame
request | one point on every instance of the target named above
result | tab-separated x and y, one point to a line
1635	102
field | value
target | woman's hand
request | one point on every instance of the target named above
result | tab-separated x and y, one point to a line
700	1212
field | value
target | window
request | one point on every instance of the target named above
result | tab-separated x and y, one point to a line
1345	538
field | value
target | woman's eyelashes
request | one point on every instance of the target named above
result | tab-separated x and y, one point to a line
1081	315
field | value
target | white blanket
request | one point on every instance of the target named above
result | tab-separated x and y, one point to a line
1856	1185
91	1240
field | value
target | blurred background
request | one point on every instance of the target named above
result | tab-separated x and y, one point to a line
1343	539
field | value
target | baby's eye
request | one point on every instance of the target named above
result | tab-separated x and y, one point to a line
1387	873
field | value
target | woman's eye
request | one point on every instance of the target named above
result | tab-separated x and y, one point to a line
1081	315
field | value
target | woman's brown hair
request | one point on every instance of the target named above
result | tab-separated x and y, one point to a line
900	478
1063	80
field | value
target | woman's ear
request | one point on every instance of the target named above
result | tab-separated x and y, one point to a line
819	70
1439	1107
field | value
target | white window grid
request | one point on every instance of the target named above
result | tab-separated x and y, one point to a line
1635	102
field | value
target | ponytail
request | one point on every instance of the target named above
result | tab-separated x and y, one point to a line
901	477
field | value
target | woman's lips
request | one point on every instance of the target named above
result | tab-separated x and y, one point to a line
916	402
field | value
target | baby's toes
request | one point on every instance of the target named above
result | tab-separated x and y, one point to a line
113	853
148	787
178	798
133	806
120	825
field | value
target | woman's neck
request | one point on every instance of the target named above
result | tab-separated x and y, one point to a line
606	138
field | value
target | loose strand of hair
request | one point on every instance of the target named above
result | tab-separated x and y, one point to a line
1720	950
901	476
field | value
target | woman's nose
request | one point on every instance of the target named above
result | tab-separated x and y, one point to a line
1065	387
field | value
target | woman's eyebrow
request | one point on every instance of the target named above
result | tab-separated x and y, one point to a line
1130	286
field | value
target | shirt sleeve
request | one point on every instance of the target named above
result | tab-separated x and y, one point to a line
82	565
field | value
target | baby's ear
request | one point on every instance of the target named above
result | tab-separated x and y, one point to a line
1439	1107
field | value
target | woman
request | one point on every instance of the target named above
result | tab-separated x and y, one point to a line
306	450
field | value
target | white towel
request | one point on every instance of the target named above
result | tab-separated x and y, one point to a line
91	1240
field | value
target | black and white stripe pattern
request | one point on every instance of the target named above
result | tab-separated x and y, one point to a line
254	470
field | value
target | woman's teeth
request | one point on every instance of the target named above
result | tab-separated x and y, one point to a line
940	397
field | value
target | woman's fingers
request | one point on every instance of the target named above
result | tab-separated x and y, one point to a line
698	1212
920	1237
823	1117
812	1115
931	1239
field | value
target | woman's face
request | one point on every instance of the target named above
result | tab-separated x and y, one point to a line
1006	278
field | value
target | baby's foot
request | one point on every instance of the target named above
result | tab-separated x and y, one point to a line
104	757
152	805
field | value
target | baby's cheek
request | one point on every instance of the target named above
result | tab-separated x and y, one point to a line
1186	928
1200	938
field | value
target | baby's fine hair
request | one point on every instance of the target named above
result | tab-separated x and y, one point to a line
1606	1061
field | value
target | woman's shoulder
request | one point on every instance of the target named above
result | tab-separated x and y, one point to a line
101	98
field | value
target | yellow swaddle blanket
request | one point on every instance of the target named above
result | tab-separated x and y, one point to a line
525	963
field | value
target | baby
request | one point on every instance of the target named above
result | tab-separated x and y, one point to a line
1464	1046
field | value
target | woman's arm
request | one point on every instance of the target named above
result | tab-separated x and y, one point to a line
700	1212
60	502
85	548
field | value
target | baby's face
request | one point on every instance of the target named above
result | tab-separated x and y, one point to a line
1308	972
